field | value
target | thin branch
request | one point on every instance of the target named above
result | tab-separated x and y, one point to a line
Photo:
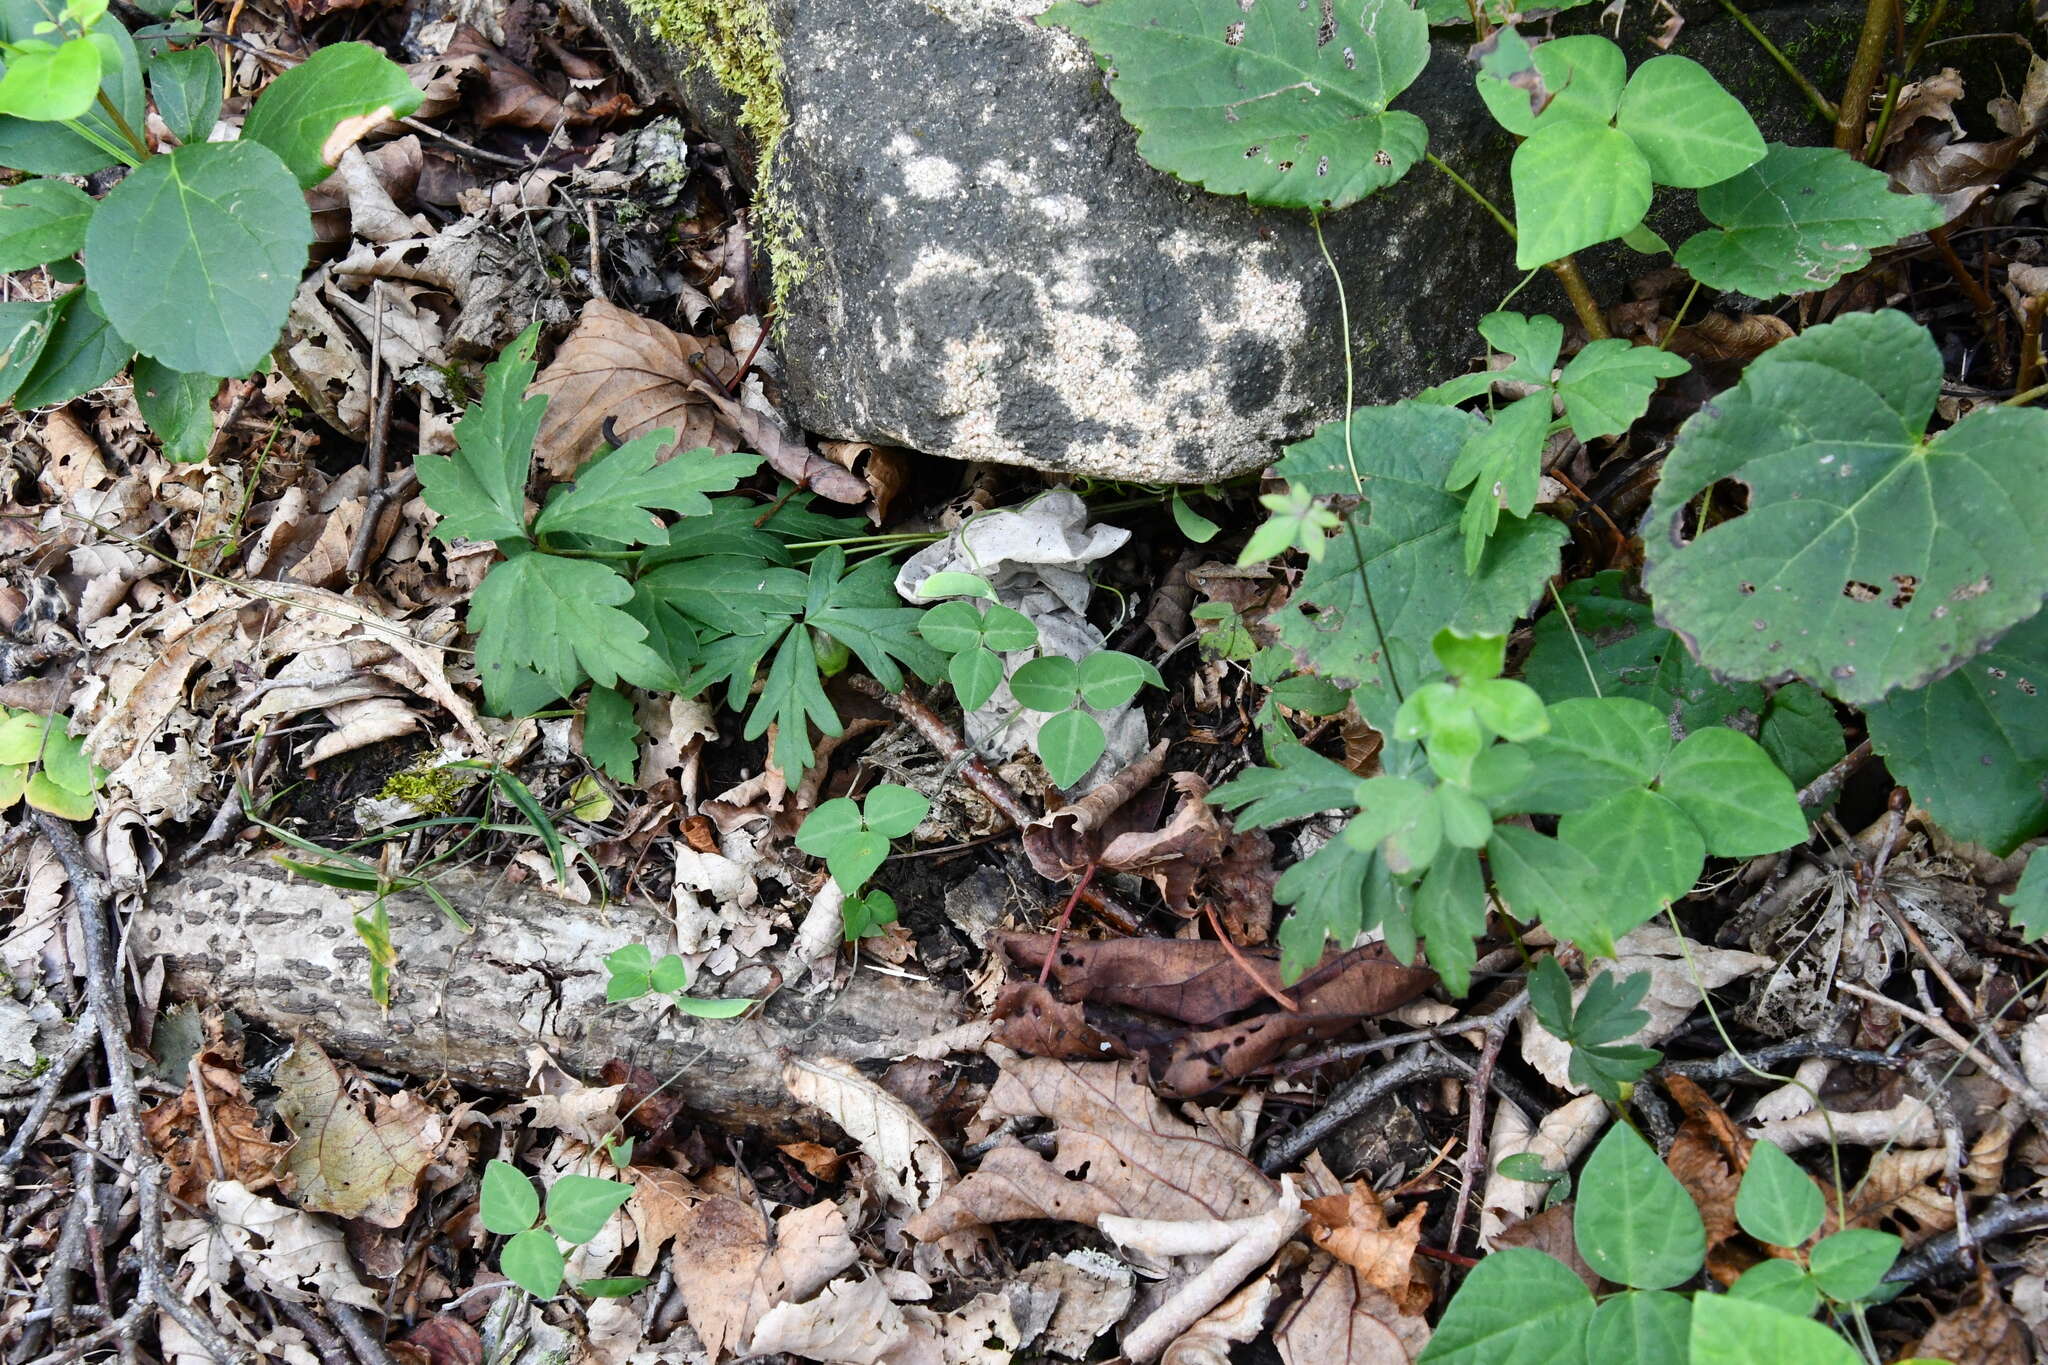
1497	1026
1939	1255
1354	1098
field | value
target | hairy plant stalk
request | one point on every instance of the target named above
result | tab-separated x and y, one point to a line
1863	71
1822	105
1566	269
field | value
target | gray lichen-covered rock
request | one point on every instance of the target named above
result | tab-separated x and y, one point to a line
988	270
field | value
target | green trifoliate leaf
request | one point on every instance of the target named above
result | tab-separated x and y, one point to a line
1635	1223
509	1203
1541	879
1052	683
1298	522
975	674
196	255
893	811
1607	385
480	490
1642	1325
578	1205
1799	220
1069	744
1111	678
1595	748
41	220
830	824
178	408
1778	1284
614	496
1648	852
1778	1203
1264	102
1581	81
1690	129
1576	184
561	618
1732	791
1517	1304
1852	1263
1730	1331
866	916
533	1261
669	975
1973	746
1868	559
320	108
187	89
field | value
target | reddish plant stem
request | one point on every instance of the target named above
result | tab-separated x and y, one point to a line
1060	928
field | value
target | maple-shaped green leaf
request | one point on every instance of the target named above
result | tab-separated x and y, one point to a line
1450	912
1973	746
1338	892
615	495
1503	464
1608	384
2028	902
1870	557
1299	522
1409	531
1300	783
561	618
480	490
1284	104
1799	220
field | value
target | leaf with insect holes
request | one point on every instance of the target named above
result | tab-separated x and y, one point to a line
1797	221
480	490
1262	100
615	495
1581	77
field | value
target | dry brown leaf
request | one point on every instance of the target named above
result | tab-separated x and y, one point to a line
731	1271
353	1160
293	1255
662	1208
1119	1150
638	373
1172	856
447	1340
792	459
884	469
1550	1232
815	1157
1341	1319
240	1136
1029	1020
1981	1331
911	1168
1353	1227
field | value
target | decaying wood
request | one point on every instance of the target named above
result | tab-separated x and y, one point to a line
282	950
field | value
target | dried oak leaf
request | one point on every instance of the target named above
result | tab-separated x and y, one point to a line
1119	1150
240	1136
1353	1227
354	1160
732	1266
1341	1319
619	365
911	1168
662	1208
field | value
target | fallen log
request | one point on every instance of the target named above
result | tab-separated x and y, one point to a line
281	950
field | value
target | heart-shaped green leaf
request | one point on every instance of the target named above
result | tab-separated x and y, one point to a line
1264	102
1051	683
1581	81
1648	851
1732	791
320	108
510	1203
1690	129
1576	184
1868	559
892	811
578	1205
1635	1223
1517	1304
975	674
854	858
1069	744
1777	1203
1111	678
533	1261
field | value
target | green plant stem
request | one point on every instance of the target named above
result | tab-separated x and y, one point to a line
1822	105
1566	269
1896	82
1870	46
1678	318
141	147
92	135
2020	400
1351	456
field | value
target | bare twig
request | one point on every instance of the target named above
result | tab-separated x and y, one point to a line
1354	1098
2036	1103
1264	1236
950	747
81	1041
1731	1066
1822	788
373	465
1939	1254
1497	1025
368	1348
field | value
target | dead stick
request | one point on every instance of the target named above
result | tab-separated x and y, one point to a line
1497	1025
1355	1098
373	465
950	747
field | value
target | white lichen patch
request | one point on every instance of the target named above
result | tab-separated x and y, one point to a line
1095	364
931	177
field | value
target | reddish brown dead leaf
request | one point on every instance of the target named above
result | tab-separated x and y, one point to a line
1353	1227
446	1340
241	1137
1119	1150
1708	1156
1029	1020
1550	1232
884	469
1172	857
354	1159
1983	1331
1060	844
1342	1320
619	365
648	1108
788	457
815	1157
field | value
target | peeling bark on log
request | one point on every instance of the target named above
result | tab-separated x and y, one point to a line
282	950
